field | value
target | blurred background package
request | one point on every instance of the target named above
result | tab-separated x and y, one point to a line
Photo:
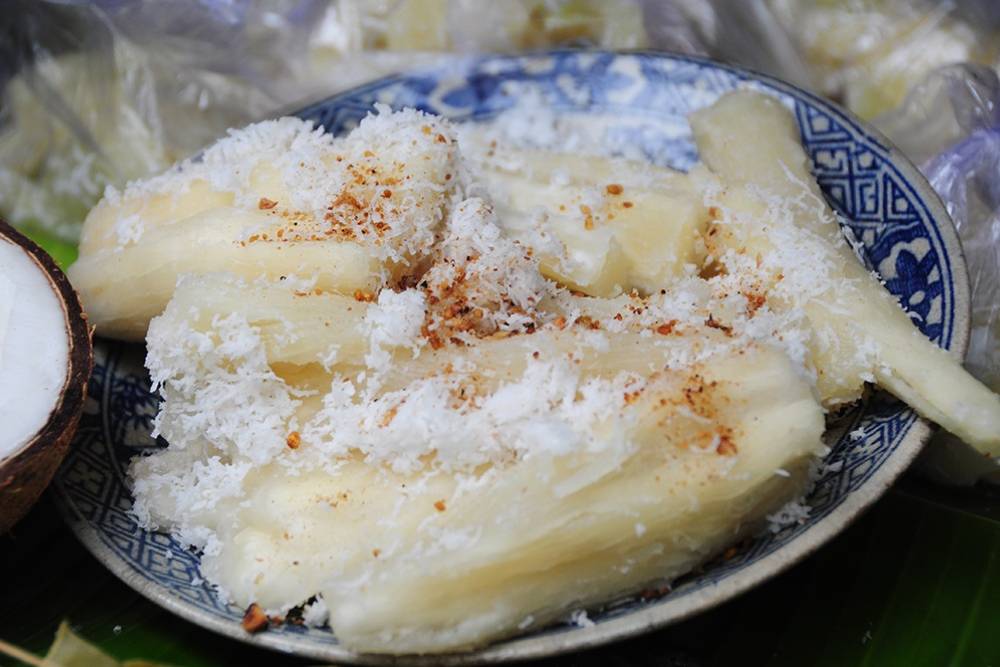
99	92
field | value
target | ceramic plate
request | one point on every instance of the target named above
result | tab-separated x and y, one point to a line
644	98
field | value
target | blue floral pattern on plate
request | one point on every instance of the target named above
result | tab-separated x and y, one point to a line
902	229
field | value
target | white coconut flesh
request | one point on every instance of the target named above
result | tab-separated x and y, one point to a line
34	348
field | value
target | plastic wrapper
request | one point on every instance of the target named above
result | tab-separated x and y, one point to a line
950	124
870	53
865	53
103	92
110	90
93	104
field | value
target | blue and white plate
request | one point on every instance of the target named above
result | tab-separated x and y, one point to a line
906	235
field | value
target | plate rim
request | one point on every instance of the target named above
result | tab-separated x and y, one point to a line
658	615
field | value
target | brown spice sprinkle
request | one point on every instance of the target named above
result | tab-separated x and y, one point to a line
432	338
588	217
363	296
700	397
755	301
726	445
376	552
266	204
254	619
627	204
615	189
440	506
666	328
713	323
293	440
347	198
389	416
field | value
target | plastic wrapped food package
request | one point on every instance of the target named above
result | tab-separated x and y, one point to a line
864	53
106	92
91	106
126	88
869	53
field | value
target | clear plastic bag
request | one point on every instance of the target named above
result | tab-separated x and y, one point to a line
105	91
950	125
99	98
864	53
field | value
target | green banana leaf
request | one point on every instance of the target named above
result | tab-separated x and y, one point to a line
916	581
63	252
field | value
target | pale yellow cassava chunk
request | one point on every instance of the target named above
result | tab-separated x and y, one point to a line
110	225
428	564
298	326
277	198
587	170
750	139
615	237
124	288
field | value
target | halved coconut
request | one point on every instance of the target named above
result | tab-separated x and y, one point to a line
45	361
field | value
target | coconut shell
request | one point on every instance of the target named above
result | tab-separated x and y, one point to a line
26	473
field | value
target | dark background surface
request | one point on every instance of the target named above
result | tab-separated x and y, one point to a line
915	581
